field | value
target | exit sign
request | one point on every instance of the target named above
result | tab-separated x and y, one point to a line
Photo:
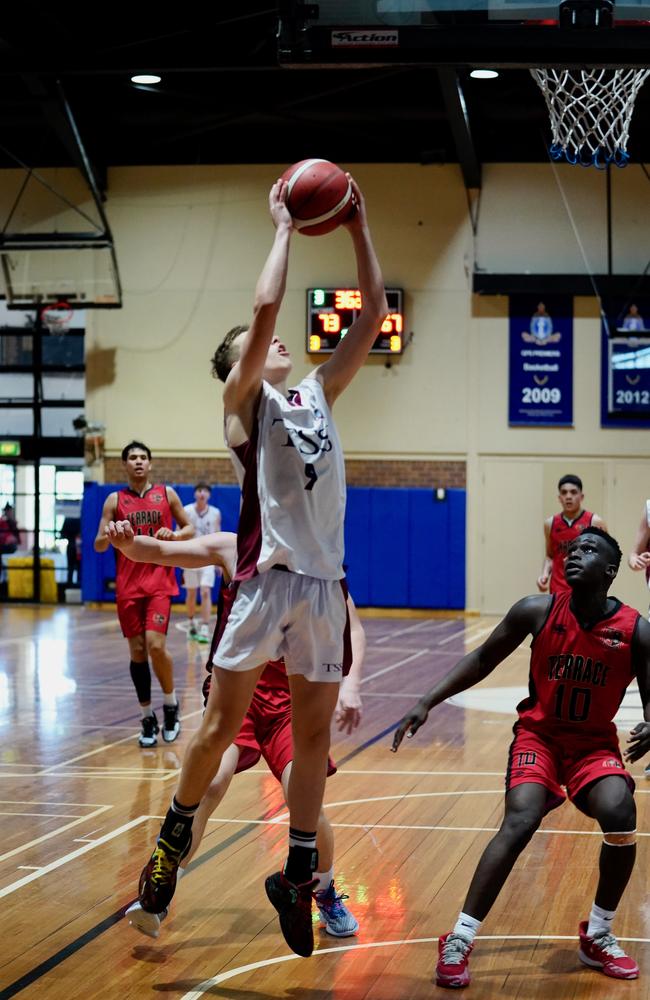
9	448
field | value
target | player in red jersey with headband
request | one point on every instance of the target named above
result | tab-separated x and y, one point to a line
561	529
144	593
587	648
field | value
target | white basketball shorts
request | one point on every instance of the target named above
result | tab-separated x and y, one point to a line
203	577
281	614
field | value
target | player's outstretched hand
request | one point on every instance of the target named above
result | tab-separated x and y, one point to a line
638	742
542	584
411	722
348	708
278	205
639	560
120	533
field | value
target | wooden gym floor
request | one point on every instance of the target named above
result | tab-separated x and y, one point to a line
81	805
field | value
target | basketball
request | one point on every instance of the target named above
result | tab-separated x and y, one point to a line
319	196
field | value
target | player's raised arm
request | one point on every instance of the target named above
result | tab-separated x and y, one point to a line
109	510
638	742
525	617
243	382
639	557
352	351
218	549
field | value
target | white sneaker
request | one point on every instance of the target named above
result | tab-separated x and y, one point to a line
146	923
203	633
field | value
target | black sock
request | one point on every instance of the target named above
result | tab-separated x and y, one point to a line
141	677
302	861
177	827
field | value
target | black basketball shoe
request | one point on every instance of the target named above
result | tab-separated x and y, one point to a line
293	903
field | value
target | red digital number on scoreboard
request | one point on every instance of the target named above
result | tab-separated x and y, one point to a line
347	298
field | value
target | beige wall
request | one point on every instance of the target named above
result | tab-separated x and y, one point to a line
191	242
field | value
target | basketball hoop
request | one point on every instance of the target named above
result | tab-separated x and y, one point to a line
57	317
590	111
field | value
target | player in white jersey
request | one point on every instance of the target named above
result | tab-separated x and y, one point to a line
290	600
206	520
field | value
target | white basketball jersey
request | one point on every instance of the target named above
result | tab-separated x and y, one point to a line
205	522
292	475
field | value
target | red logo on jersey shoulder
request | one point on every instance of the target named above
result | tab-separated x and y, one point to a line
612	637
155	497
612	762
126	500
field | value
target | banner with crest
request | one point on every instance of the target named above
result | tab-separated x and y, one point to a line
541	361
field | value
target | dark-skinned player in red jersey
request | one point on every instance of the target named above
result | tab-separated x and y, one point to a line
587	648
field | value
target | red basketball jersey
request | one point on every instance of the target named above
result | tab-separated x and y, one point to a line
578	676
146	513
562	534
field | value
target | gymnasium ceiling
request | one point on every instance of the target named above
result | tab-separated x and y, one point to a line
224	99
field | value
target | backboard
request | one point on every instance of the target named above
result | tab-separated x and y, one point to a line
446	33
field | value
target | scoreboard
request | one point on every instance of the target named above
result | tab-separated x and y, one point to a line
332	311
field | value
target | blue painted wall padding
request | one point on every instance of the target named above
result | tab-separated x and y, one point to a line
403	547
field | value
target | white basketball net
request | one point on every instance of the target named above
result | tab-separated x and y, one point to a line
57	318
590	111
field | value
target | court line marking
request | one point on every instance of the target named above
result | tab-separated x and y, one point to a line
5	812
53	865
99	776
107	746
16	640
435	626
222	977
398	798
394	666
36	802
78	852
467	636
410	826
29	868
54	833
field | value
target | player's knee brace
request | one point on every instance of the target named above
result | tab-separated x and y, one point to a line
625	839
141	677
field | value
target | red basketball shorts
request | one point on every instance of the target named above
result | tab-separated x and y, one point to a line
267	734
144	614
573	764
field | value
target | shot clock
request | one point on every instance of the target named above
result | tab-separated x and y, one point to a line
332	311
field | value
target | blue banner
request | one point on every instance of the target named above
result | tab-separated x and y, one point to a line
625	364
541	361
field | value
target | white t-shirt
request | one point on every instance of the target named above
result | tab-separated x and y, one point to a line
204	522
292	475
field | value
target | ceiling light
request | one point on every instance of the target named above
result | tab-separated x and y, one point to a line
484	74
145	78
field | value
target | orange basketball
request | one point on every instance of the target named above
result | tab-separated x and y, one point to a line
319	196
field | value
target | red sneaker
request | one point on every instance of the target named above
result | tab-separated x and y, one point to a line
602	951
453	959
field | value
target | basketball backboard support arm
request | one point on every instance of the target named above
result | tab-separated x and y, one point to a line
456	108
28	278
